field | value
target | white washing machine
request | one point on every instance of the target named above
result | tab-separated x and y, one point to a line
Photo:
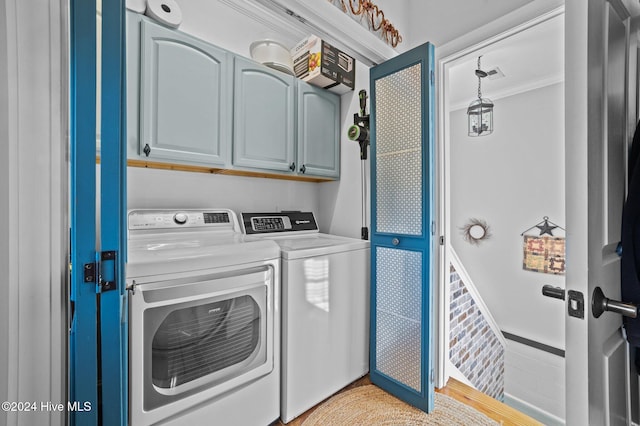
204	320
325	307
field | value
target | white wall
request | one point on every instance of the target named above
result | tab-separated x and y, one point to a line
511	179
534	383
153	188
333	202
341	201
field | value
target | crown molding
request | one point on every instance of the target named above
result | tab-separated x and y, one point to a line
319	17
511	91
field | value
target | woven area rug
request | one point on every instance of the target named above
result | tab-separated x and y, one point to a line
369	405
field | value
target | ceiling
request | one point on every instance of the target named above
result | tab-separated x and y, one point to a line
530	59
441	21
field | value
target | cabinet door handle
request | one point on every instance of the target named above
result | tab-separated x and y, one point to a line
292	167
147	149
303	169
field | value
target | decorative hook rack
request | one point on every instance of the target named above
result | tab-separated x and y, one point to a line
545	227
375	19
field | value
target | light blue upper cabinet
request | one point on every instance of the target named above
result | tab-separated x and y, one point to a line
263	121
185	101
318	131
192	103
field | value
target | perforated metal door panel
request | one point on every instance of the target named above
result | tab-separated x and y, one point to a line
399	152
399	315
402	158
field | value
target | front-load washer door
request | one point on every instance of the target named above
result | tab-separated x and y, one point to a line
191	341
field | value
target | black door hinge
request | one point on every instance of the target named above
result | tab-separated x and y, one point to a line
96	272
90	272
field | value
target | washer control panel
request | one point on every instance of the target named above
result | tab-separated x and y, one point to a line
162	219
269	223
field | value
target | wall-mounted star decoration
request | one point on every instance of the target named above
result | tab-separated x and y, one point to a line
545	227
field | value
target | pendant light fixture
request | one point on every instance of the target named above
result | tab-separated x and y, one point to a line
480	111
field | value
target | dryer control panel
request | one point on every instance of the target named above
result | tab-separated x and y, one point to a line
270	223
146	220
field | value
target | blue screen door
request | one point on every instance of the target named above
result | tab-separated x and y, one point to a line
98	335
402	194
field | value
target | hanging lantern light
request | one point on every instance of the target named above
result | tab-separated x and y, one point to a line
480	111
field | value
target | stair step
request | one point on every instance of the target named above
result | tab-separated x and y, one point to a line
488	406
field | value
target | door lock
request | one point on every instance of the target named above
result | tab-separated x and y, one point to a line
576	304
108	282
555	292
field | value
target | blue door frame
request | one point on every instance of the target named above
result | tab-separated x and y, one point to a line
98	339
113	213
83	349
405	249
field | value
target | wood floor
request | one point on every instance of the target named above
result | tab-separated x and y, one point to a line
490	407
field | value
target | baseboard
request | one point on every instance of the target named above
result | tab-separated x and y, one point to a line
533	411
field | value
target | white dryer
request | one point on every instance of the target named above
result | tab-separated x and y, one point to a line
204	320
325	307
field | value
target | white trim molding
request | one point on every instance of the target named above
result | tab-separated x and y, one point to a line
34	200
532	411
319	17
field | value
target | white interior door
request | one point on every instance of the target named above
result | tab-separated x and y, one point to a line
597	135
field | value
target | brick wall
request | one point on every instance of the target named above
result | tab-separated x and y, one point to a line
473	347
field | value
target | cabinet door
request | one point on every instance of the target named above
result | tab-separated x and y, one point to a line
318	131
184	101
263	119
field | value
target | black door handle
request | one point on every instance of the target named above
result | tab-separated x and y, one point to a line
555	292
601	304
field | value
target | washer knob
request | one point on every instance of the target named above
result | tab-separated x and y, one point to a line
180	218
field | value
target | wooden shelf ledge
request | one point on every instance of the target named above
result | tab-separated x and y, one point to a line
218	171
